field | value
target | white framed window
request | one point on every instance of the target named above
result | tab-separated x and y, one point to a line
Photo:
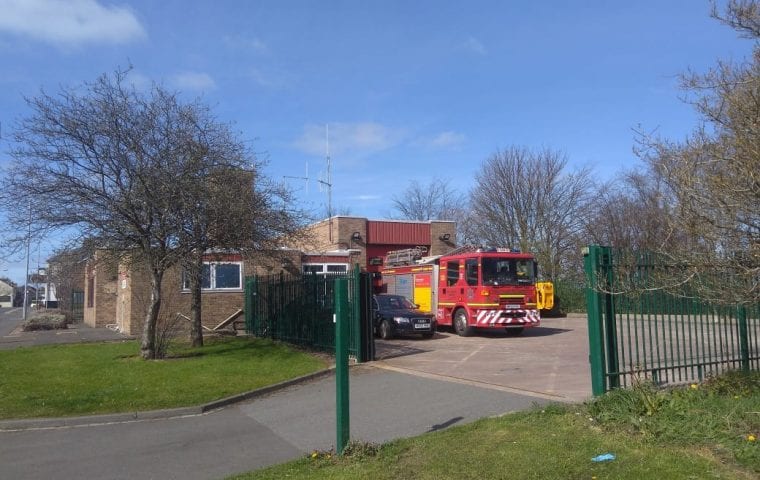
218	276
325	268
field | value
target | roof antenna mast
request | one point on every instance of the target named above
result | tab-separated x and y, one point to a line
327	182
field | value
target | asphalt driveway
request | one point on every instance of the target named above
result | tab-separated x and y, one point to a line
550	361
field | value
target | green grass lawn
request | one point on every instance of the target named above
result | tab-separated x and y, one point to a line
690	433
65	380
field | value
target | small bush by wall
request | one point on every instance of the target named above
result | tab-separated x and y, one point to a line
45	321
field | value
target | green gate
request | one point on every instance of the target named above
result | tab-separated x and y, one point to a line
299	309
77	306
640	332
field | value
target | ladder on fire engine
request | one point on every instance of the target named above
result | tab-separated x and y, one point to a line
474	248
406	256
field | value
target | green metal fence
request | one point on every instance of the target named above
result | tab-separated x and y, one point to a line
637	331
299	309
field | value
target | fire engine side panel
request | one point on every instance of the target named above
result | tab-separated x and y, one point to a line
404	286
422	291
390	283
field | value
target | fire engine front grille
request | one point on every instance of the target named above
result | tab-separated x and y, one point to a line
506	302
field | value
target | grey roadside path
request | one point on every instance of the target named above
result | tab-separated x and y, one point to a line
280	425
283	425
11	335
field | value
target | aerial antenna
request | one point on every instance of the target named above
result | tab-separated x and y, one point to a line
327	181
306	178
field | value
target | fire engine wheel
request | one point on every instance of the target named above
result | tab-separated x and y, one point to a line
460	323
386	330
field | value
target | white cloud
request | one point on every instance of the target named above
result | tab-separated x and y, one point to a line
193	81
446	140
367	198
348	138
69	22
474	45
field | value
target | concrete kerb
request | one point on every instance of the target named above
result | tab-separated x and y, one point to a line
90	420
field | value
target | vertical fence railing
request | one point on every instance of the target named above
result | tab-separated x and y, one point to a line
645	333
299	309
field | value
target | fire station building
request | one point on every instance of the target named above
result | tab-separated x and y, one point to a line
116	292
341	241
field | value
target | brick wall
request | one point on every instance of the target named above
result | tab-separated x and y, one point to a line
438	230
100	276
135	297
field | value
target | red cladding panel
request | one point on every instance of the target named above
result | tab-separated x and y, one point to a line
398	233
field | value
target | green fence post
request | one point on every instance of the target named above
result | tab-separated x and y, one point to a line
610	321
356	312
341	364
743	338
250	293
594	308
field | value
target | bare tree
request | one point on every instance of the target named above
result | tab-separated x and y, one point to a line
232	209
438	200
526	199
112	162
631	212
713	176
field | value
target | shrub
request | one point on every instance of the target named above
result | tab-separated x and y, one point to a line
46	321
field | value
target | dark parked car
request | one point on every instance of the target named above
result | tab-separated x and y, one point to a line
396	315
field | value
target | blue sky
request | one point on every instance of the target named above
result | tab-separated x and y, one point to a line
410	90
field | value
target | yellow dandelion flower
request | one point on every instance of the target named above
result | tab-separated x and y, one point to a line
694	386
751	438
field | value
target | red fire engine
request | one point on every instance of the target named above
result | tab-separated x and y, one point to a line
470	287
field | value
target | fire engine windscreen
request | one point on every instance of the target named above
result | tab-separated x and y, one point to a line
507	271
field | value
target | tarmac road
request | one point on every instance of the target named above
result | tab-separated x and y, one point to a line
283	425
10	318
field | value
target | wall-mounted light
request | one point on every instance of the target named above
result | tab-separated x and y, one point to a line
445	237
356	236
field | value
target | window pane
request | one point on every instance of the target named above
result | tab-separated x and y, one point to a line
471	271
227	275
206	278
312	269
336	268
452	273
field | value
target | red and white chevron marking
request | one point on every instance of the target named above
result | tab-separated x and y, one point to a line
504	317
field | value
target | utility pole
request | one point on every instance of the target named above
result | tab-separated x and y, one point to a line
26	276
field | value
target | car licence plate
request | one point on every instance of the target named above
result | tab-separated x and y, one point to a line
422	325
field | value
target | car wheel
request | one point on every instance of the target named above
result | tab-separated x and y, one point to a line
386	330
514	332
460	323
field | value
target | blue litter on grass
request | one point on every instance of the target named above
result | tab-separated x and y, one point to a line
603	458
